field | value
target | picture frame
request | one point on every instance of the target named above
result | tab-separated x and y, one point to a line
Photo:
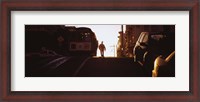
99	5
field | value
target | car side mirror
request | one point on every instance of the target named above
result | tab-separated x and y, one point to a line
160	61
157	63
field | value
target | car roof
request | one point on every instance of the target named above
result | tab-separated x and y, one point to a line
157	33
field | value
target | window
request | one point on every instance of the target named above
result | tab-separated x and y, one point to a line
141	37
157	37
145	39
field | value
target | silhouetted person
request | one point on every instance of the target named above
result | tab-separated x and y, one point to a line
102	48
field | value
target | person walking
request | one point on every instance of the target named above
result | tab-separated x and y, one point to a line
102	48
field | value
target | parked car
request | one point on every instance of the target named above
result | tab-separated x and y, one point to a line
154	43
164	67
150	45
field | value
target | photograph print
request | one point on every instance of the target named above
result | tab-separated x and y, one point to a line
99	50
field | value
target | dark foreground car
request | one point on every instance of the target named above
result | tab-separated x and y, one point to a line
150	45
154	43
164	67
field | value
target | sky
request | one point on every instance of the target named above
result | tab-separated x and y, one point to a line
108	34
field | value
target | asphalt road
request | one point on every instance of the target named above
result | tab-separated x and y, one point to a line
81	66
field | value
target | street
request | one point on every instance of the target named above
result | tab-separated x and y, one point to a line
81	66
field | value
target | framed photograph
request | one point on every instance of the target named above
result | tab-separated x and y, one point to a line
102	50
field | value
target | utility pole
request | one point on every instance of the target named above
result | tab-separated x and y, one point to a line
122	39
